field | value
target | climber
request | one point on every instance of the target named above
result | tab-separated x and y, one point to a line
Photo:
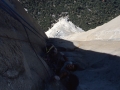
60	62
56	58
67	69
63	68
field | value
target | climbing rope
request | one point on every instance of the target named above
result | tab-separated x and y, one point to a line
49	49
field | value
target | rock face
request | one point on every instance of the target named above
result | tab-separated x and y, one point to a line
21	64
98	52
21	49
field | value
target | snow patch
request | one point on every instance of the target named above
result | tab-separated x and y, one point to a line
62	28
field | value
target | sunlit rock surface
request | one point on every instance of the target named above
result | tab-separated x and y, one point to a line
108	31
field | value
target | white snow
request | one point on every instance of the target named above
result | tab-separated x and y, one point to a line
63	28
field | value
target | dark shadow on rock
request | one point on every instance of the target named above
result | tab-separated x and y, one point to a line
90	59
